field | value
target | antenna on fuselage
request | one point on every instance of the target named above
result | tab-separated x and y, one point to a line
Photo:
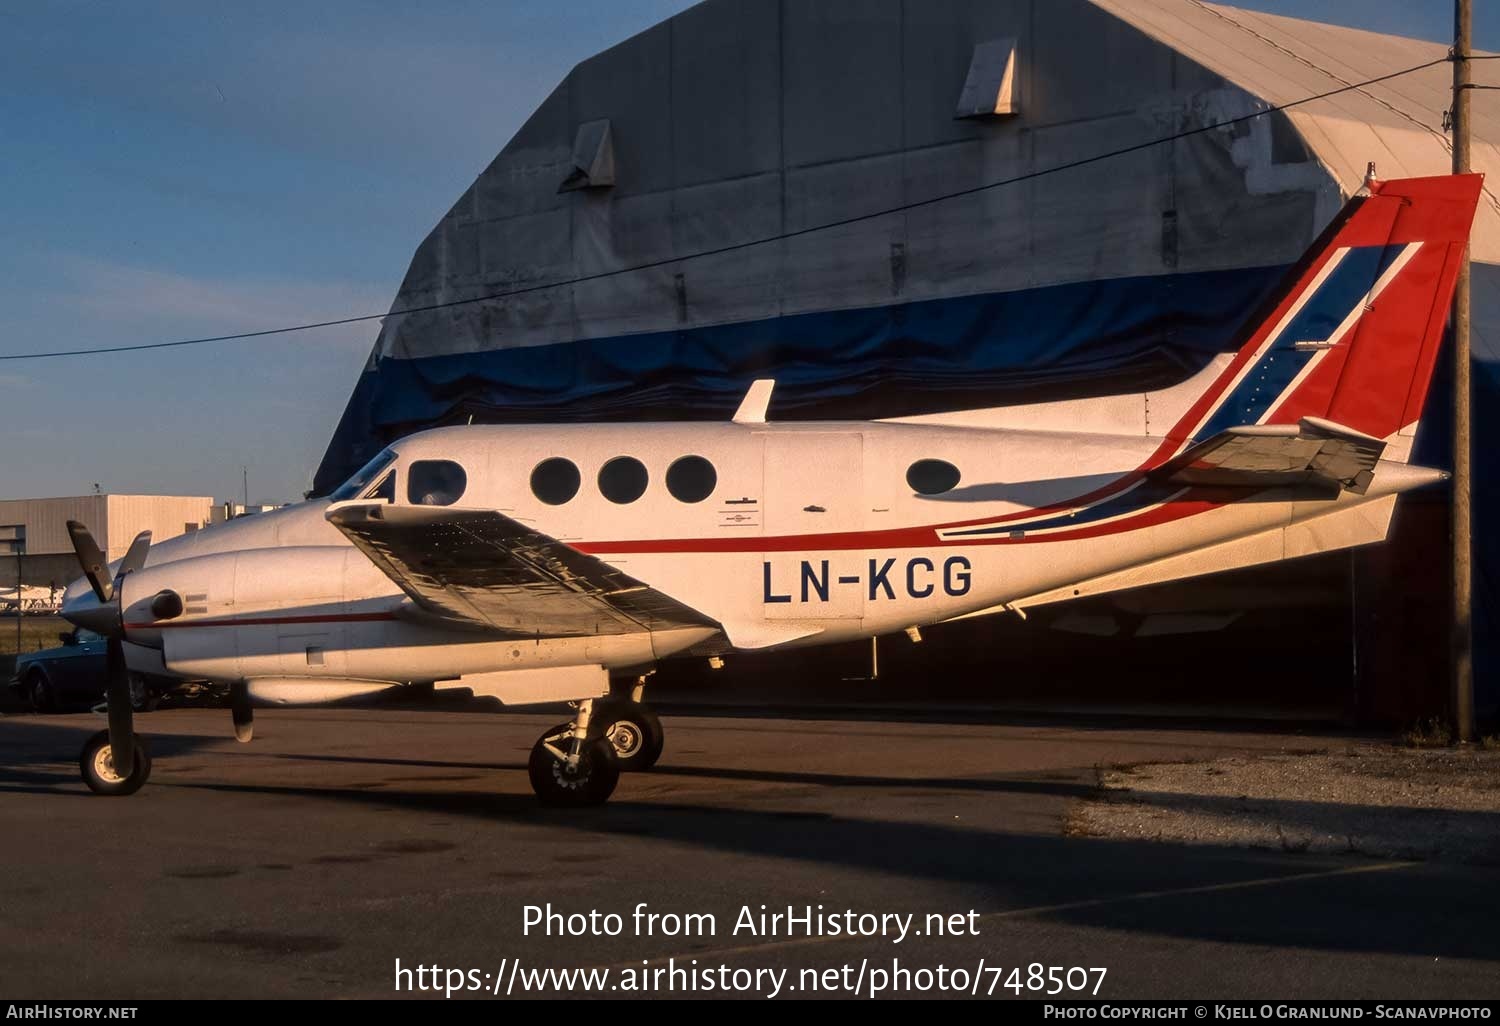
757	400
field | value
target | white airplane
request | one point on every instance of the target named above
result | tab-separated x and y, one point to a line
562	563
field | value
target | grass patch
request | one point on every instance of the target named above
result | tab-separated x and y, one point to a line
37	632
1432	733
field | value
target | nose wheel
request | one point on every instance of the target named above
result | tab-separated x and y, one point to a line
97	763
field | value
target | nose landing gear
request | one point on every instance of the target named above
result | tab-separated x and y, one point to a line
97	764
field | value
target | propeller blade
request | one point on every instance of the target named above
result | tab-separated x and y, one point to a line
135	556
121	716
244	715
92	561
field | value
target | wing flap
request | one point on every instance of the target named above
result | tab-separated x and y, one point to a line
479	567
1313	452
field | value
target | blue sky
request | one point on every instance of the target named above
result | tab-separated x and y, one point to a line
171	169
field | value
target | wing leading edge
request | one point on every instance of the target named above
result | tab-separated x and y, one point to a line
484	569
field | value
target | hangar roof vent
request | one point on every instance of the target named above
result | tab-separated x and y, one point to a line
593	158
991	89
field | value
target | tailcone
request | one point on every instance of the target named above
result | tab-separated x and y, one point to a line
1393	478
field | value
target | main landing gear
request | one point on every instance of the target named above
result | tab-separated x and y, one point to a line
568	766
634	731
579	763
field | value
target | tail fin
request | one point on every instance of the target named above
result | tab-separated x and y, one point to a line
1354	336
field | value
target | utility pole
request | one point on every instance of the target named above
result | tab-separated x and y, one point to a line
1463	538
246	472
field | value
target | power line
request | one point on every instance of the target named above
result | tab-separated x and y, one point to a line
734	247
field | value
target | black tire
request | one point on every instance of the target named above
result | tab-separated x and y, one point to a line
39	692
633	729
591	784
142	697
98	773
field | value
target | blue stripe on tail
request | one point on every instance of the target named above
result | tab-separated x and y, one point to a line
1339	294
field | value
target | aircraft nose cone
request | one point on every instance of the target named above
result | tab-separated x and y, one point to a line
82	608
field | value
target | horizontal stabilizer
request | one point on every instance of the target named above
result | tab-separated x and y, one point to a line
1311	452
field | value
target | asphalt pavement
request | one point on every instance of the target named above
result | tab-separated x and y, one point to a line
341	842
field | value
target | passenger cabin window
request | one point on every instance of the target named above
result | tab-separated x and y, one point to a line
555	481
352	488
435	483
623	480
932	477
692	479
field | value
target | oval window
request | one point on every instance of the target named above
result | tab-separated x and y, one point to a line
692	479
555	481
932	477
623	480
435	483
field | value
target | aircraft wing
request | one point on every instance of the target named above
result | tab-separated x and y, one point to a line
485	569
1313	452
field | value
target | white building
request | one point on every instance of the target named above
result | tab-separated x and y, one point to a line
114	520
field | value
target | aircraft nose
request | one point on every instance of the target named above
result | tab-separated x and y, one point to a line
82	608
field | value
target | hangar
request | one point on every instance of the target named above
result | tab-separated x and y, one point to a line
706	203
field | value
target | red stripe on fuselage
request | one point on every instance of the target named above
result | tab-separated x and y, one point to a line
1190	504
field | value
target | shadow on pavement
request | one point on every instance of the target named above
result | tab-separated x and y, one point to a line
1242	897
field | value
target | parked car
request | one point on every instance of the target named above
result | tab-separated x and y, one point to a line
71	677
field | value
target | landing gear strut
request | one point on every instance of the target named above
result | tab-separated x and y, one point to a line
573	764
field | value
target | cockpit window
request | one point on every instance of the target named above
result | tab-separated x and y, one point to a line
361	480
435	483
385	491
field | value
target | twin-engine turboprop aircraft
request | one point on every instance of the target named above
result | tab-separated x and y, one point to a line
539	564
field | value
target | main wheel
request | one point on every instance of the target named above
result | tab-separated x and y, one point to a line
590	783
634	731
98	767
